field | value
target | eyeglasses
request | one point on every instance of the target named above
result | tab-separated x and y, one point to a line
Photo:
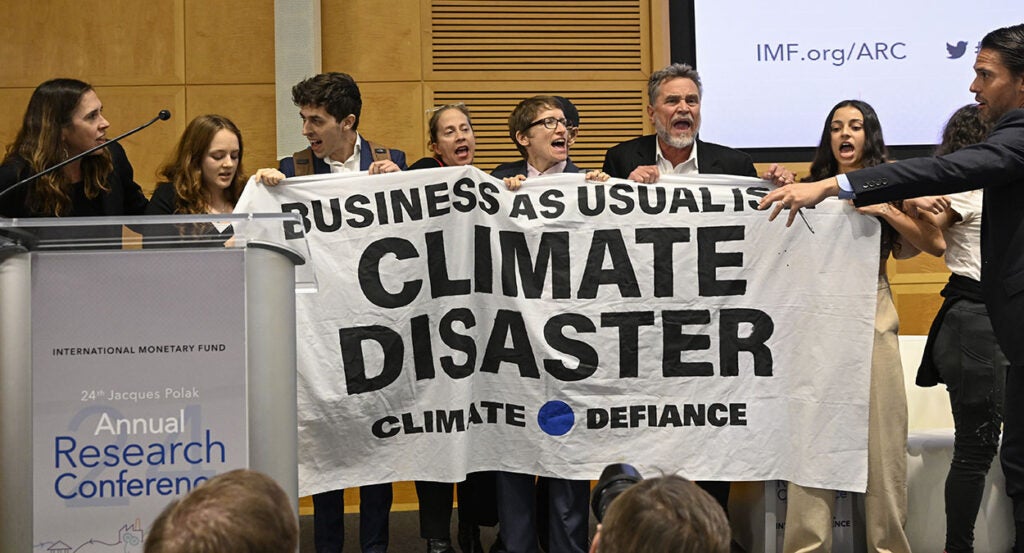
550	123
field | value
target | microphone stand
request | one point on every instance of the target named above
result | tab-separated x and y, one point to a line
162	116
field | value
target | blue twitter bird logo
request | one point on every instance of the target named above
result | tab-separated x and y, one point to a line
956	51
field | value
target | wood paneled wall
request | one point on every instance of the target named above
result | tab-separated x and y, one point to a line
189	56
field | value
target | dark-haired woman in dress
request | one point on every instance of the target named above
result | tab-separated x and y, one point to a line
852	139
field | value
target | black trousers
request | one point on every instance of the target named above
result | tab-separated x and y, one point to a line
1011	455
374	513
973	368
477	504
567	516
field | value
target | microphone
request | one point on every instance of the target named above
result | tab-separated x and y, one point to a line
162	116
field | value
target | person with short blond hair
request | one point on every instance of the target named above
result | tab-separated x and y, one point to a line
242	511
668	514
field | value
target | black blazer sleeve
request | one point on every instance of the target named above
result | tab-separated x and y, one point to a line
997	162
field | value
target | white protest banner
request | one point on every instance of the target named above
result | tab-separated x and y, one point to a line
461	327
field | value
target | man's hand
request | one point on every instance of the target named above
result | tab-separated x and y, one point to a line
779	175
384	166
269	176
798	195
596	175
514	183
646	174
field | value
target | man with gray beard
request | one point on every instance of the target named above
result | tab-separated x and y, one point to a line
674	95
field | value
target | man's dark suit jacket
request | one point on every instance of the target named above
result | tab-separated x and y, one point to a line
712	159
287	165
997	165
514	168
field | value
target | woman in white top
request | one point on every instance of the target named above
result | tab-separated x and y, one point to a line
962	351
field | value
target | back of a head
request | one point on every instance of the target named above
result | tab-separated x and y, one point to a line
572	115
669	514
965	127
241	511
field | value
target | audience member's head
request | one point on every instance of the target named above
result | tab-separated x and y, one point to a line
241	511
669	514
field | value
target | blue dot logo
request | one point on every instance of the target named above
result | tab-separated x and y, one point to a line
556	418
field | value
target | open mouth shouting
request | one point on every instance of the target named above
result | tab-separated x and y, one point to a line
316	144
560	147
847	150
683	124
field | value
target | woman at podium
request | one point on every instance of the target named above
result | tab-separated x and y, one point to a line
64	118
203	176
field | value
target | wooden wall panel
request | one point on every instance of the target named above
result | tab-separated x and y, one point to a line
393	116
12	108
596	39
251	107
916	283
127	107
221	47
372	40
104	42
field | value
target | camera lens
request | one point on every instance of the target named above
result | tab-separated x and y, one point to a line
614	480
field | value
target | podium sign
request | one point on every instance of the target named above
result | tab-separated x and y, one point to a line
138	390
133	367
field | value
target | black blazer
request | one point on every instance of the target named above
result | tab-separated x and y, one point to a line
123	197
514	168
712	159
997	165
